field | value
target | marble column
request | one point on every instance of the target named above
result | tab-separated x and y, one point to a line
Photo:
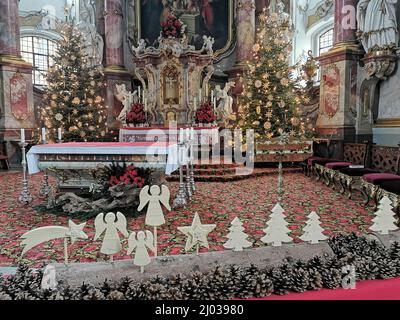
114	30
246	24
345	21
339	72
9	31
115	71
16	100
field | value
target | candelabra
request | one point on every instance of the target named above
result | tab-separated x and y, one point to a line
180	200
25	197
45	187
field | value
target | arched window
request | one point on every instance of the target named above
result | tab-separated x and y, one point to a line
325	41
38	51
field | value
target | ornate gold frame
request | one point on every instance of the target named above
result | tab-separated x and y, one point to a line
231	5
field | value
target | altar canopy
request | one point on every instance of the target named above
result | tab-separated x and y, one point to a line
103	152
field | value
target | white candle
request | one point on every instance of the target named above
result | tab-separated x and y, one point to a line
187	134
181	135
59	134
207	91
139	92
22	135
212	95
192	134
44	135
200	95
194	103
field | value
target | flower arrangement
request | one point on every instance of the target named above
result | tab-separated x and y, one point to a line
206	114
130	177
172	27
137	114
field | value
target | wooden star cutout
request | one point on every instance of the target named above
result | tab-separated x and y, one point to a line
75	231
197	233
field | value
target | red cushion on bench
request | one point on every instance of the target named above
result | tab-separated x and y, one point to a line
335	165
357	172
310	161
378	177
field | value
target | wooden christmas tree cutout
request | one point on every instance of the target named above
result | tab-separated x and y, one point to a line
313	232
140	243
385	219
237	239
197	234
154	215
277	230
111	224
37	236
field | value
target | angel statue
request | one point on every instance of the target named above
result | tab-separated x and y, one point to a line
208	44
141	242
111	224
140	48
225	102
154	215
126	98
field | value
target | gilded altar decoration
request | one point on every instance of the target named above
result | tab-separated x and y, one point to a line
331	90
18	97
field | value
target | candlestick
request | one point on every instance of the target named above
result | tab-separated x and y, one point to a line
22	135
180	200
59	134
25	196
45	188
43	135
187	134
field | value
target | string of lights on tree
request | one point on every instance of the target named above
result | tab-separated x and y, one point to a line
73	97
272	91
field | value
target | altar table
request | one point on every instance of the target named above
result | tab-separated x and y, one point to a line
203	135
73	163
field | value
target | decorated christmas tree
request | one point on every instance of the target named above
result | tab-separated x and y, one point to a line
385	219
272	95
237	239
313	230
72	99
277	230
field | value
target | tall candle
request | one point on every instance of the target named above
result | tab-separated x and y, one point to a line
22	135
192	134
59	134
212	95
139	92
200	95
44	135
187	134
181	135
194	103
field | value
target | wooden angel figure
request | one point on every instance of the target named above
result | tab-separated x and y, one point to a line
140	243
154	215
111	224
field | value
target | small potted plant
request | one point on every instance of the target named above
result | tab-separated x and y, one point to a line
136	117
205	116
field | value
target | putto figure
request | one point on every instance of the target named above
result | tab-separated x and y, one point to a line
140	244
111	224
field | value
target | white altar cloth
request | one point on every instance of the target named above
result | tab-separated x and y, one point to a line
169	149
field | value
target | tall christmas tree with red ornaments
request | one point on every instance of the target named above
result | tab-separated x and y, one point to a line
73	98
272	92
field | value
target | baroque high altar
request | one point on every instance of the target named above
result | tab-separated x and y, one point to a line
174	77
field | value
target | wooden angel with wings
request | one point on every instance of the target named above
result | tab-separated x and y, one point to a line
140	243
111	224
155	198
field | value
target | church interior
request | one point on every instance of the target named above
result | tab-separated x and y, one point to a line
199	149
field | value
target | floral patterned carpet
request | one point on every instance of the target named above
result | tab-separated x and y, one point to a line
251	200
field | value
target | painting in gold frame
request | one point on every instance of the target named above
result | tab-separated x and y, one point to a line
202	17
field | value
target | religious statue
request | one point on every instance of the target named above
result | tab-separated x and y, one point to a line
126	98
225	102
140	48
208	44
377	24
94	43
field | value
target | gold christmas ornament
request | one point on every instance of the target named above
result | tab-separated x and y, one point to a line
54	96
270	97
73	128
258	109
97	99
79	124
258	84
59	117
76	101
267	125
256	47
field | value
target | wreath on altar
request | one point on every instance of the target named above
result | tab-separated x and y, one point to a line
172	28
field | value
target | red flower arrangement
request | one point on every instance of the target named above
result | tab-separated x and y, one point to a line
137	114
130	177
206	114
172	27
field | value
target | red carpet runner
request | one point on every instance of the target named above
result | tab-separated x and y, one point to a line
366	290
